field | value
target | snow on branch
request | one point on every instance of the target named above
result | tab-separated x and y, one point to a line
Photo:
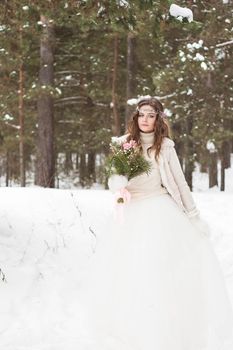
134	101
181	12
230	42
12	125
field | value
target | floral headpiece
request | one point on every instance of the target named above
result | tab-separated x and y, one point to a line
161	113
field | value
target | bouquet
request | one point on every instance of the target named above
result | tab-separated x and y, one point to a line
124	163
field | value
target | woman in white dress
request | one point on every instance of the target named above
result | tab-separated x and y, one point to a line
154	282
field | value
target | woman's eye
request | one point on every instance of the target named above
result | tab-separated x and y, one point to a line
148	115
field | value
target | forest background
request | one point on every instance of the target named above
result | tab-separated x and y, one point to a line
71	71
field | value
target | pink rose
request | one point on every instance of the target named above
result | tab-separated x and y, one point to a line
130	144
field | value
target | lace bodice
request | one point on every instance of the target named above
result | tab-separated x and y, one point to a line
144	185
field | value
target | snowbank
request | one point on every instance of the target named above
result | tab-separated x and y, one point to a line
47	238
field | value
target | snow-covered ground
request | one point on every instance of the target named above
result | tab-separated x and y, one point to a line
47	237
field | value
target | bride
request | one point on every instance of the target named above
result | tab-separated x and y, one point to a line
155	282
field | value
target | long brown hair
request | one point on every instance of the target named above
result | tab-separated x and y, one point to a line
162	128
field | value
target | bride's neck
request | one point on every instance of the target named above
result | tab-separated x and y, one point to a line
147	137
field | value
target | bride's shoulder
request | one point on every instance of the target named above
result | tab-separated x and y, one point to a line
167	142
120	139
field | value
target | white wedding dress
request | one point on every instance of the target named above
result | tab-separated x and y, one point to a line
154	282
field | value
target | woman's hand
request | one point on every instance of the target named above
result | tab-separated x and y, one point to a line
201	225
117	182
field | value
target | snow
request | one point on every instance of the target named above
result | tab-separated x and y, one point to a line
181	12
47	237
199	57
134	101
204	66
8	117
122	3
210	146
195	45
46	240
168	112
58	90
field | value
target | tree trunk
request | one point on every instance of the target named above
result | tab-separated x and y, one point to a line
77	161
225	162
213	169
222	186
7	169
45	147
68	162
231	139
226	154
21	114
116	128
91	167
82	169
203	168
130	80
177	129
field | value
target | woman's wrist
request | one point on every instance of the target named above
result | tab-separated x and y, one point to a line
194	213
201	225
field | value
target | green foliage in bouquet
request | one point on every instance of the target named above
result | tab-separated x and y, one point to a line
126	159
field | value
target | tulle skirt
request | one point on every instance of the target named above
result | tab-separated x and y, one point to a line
155	283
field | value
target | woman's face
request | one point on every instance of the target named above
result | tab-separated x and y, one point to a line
146	118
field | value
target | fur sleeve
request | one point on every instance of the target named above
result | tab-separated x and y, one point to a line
185	193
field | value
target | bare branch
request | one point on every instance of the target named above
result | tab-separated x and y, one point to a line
225	43
12	125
